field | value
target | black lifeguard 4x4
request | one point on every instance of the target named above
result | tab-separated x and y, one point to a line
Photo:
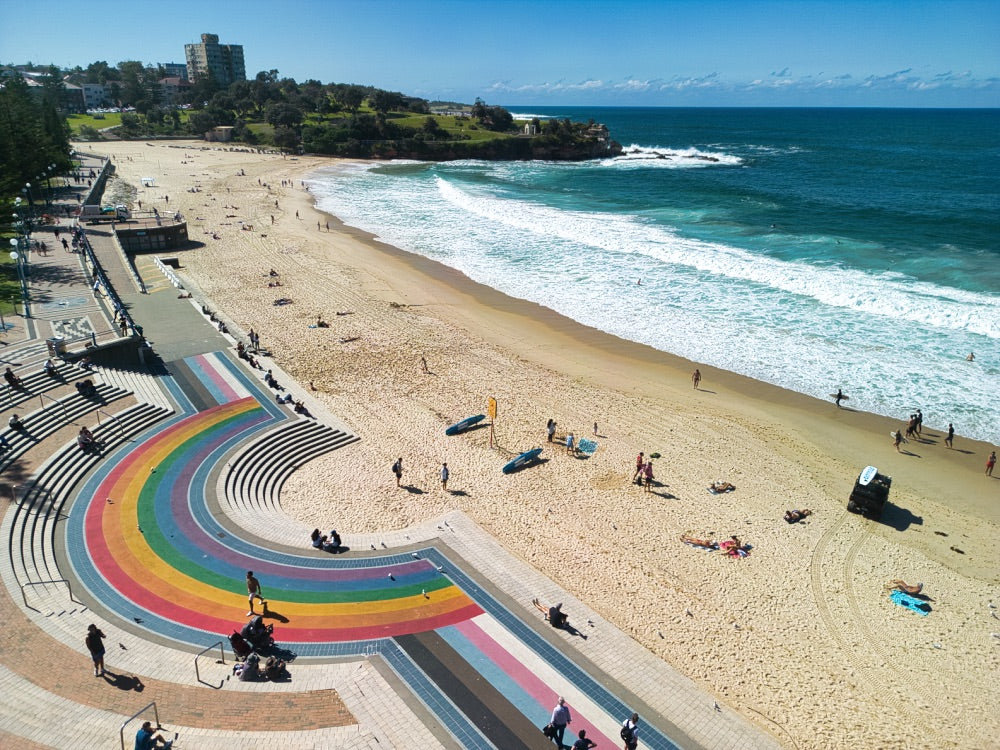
870	493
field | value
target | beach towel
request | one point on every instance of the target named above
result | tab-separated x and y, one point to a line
716	492
734	549
912	603
587	446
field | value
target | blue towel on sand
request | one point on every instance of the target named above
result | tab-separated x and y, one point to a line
587	446
912	603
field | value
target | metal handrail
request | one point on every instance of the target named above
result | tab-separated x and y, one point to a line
156	713
24	595
41	400
197	673
117	421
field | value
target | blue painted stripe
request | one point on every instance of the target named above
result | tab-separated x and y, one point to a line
495	675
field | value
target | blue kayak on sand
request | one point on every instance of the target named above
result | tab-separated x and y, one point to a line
523	460
464	424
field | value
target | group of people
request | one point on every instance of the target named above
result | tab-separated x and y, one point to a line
643	472
444	473
561	718
327	542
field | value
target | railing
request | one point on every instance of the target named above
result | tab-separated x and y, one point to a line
112	417
197	673
41	400
133	717
24	595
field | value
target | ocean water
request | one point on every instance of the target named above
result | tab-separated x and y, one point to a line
812	249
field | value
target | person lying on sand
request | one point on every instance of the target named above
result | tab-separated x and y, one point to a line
734	547
554	614
706	543
905	587
719	487
794	516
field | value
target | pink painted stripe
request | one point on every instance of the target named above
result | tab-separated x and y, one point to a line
528	680
210	369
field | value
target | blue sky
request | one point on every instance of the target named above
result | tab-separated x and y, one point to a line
614	52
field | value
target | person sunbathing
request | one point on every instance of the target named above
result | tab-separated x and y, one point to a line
554	614
794	516
718	487
707	543
905	587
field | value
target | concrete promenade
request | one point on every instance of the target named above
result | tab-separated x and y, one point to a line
466	663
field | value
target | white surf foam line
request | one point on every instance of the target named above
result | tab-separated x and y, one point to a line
888	295
671	158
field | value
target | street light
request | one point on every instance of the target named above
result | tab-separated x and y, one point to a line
27	189
17	258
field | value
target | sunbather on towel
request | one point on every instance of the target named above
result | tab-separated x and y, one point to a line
734	547
794	516
706	543
719	487
905	587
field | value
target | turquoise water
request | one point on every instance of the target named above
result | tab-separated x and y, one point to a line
813	249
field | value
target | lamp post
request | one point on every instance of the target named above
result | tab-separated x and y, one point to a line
27	189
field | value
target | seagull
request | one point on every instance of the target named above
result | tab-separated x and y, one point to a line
392	577
122	646
689	613
384	545
414	555
373	546
440	568
717	708
424	592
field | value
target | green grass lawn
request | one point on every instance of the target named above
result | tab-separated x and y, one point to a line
109	120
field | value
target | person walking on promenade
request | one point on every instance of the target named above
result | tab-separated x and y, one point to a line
254	590
95	645
397	469
951	435
990	463
640	461
561	718
444	477
630	732
583	742
696	378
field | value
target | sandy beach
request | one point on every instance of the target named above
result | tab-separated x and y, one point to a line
799	636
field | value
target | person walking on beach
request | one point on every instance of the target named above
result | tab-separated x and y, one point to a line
951	435
254	590
839	397
560	720
95	645
640	461
990	463
696	378
595	429
397	469
550	429
569	443
647	474
444	477
897	440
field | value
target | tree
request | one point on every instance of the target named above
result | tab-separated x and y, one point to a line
286	138
280	114
385	101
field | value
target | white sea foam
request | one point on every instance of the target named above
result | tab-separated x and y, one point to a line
671	158
887	295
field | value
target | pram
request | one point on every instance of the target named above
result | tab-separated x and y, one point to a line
241	648
257	634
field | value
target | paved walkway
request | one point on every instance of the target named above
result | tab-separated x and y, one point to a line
419	638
